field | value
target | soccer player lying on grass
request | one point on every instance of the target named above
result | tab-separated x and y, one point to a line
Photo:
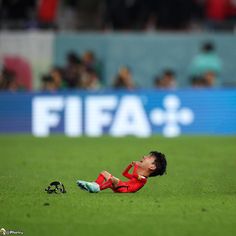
151	165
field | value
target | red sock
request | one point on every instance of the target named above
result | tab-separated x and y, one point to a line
100	179
107	184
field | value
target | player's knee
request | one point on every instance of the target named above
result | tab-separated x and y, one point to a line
114	180
106	174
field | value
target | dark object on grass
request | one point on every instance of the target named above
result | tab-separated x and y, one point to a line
55	187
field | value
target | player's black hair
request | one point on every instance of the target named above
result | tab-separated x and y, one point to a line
160	162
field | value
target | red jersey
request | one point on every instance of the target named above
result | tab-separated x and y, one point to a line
47	10
135	182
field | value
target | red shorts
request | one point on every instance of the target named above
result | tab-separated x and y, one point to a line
122	187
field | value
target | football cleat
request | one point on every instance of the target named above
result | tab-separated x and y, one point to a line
82	185
92	187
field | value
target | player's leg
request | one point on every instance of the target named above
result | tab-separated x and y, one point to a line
110	183
94	187
115	181
103	176
116	185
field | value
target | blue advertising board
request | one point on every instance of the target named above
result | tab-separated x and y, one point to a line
140	113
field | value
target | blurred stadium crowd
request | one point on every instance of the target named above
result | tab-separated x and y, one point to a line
86	71
118	14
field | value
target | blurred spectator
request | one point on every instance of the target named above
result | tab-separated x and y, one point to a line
77	74
221	15
151	23
53	81
90	79
167	80
48	83
124	79
8	80
72	72
209	78
207	64
231	9
118	14
216	12
47	12
89	14
206	80
197	82
67	14
57	76
90	62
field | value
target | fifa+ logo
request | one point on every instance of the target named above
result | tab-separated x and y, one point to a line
172	117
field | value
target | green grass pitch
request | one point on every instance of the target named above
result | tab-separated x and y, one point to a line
196	197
